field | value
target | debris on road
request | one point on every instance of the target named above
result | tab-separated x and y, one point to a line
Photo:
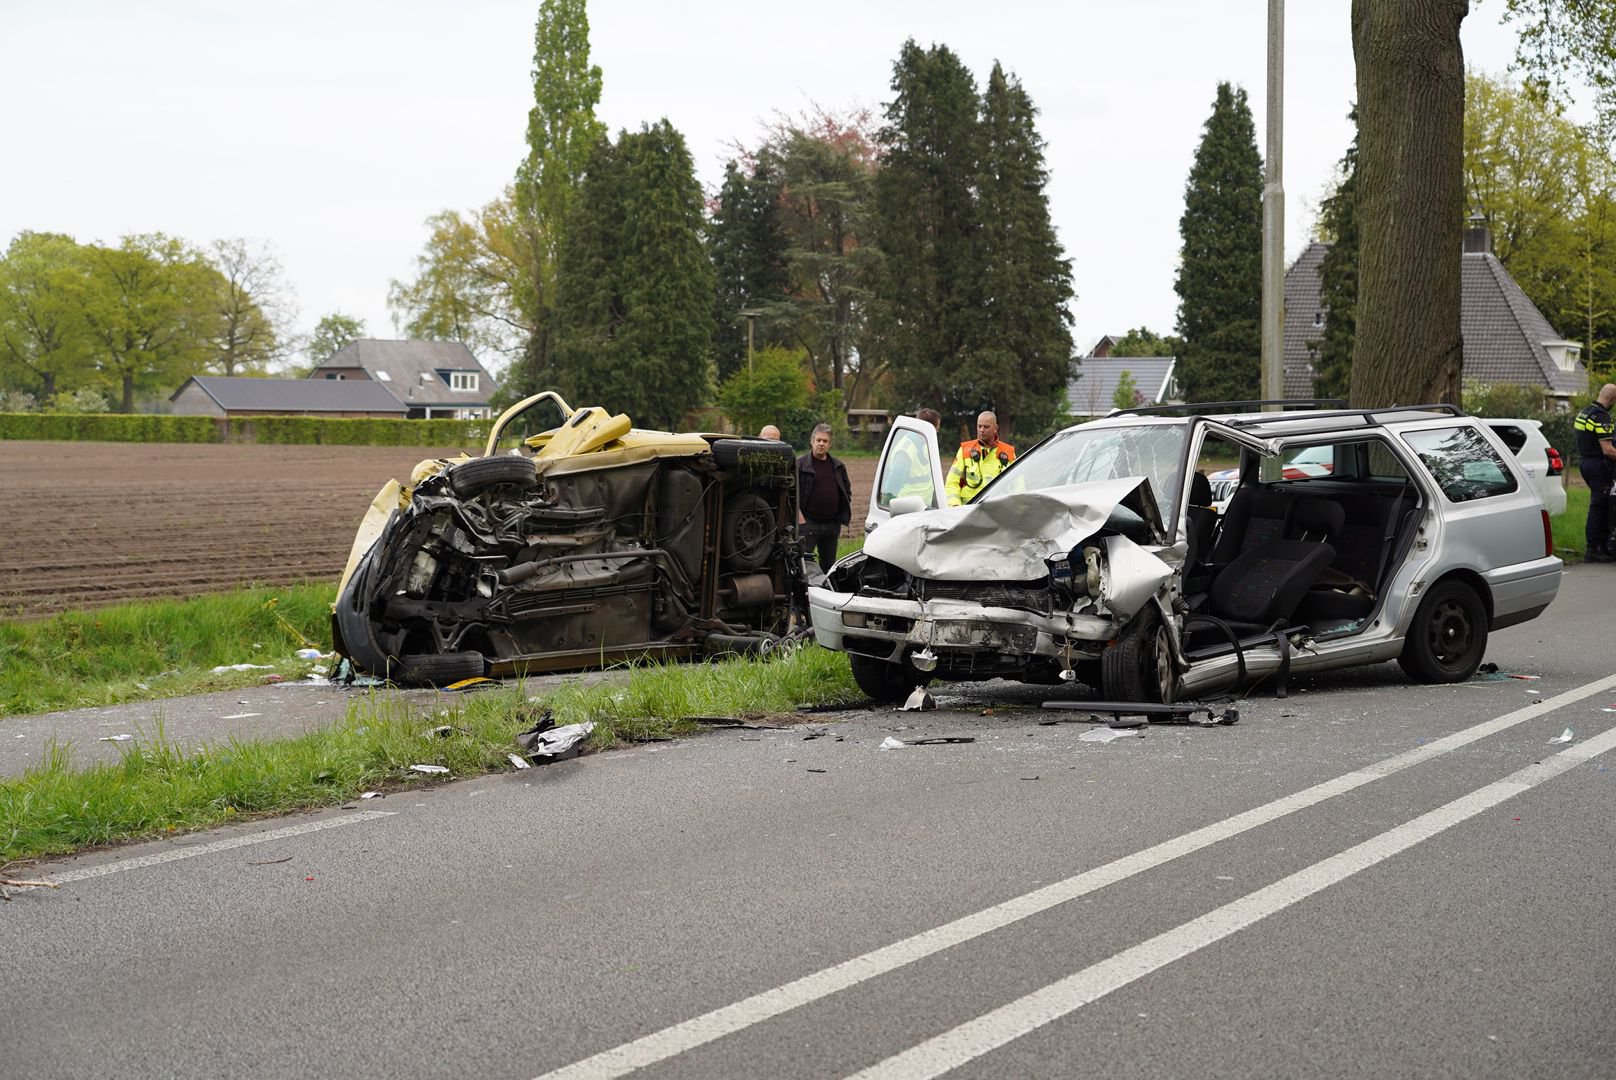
817	770
267	862
920	700
222	668
373	795
310	654
1564	737
544	742
1108	734
21	883
116	738
240	716
889	743
519	761
429	768
1184	712
943	740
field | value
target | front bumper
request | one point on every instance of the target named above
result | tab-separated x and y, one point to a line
958	631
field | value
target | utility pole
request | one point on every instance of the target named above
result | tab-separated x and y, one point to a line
751	318
1273	252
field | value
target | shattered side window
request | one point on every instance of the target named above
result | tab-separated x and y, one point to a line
538	418
1463	463
1083	454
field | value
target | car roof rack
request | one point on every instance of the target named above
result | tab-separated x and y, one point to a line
1367	415
1200	408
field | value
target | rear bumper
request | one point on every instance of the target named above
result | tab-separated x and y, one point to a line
1523	590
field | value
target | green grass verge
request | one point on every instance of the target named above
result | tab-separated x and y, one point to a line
1569	527
158	788
143	651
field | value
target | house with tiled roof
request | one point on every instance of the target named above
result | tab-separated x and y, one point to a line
218	395
1506	338
431	379
1092	392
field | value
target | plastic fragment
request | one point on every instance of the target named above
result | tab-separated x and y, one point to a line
1107	734
889	743
429	768
373	795
1563	737
309	654
920	700
518	760
546	742
240	716
115	738
242	667
943	740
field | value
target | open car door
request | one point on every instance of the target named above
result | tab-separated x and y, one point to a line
531	416
910	468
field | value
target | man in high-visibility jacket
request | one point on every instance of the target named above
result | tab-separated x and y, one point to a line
911	467
1596	446
978	461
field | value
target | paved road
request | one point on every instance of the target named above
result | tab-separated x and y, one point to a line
1367	878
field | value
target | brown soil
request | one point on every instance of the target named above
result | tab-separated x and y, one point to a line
100	523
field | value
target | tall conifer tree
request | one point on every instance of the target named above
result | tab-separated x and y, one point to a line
1022	339
1338	281
1220	271
634	318
748	249
926	226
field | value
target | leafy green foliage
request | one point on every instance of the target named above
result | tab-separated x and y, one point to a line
1338	282
634	324
44	341
1220	273
331	334
1575	37
1126	395
1503	399
773	387
251	309
1141	341
747	243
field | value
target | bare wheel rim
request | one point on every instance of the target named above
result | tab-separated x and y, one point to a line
1450	631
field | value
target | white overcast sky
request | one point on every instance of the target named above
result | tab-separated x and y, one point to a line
332	129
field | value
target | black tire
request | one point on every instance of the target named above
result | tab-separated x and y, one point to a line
754	457
885	681
1448	636
479	474
437	669
749	531
1139	667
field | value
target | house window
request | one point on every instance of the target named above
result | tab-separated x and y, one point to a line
1318	318
337	375
383	376
462	380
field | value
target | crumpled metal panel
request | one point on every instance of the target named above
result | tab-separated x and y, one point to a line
1003	539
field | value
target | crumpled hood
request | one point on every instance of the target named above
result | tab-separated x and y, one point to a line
1009	538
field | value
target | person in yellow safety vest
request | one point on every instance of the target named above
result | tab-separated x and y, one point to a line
978	461
911	468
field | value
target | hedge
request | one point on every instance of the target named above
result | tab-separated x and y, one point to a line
285	430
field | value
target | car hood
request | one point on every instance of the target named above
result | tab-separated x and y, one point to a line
1010	538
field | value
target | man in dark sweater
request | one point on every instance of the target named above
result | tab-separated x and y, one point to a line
824	497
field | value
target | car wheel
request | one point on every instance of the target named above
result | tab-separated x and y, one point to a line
1446	641
885	681
480	474
1139	666
437	669
748	537
754	457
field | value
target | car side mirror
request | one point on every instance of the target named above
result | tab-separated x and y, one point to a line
907	504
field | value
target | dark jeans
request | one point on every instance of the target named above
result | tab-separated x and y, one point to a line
1598	474
820	537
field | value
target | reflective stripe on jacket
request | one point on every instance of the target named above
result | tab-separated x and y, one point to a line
974	466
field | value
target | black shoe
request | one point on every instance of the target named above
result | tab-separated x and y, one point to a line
1597	555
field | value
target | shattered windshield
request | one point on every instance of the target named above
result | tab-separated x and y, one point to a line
1082	454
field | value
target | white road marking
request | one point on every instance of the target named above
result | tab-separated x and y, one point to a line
971	1040
710	1026
103	870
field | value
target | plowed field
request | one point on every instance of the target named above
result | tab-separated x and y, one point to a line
100	523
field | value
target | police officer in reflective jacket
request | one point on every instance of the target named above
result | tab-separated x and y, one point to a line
1594	446
978	461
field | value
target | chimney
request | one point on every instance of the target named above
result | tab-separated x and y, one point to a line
1478	238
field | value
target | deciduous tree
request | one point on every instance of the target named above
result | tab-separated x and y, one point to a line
1142	341
1410	82
44	343
747	244
331	333
252	308
1220	270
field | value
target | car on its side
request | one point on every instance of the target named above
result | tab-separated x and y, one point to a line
575	541
1537	458
1096	556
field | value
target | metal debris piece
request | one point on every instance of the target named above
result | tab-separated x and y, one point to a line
429	768
547	743
943	740
920	700
1108	734
1184	712
816	770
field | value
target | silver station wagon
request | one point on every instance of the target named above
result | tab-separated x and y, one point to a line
1098	556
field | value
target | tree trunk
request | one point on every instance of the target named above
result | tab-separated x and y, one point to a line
128	393
1410	200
